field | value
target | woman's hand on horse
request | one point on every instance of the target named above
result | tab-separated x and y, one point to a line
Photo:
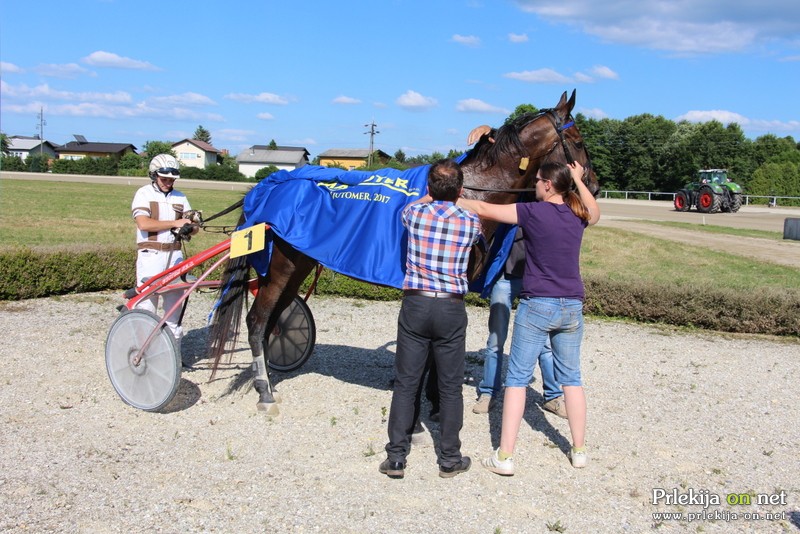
477	133
576	170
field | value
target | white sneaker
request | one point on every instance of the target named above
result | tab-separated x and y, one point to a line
578	458
502	467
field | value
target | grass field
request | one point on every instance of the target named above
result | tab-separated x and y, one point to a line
79	216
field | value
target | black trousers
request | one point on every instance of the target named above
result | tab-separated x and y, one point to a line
438	325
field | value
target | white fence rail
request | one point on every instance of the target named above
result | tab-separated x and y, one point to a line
660	195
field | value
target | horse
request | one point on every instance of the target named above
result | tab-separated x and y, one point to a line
502	165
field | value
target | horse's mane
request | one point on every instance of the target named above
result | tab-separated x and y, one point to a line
506	142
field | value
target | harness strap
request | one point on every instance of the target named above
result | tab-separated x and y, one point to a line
227	210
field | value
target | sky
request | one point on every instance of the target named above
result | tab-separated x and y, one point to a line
317	74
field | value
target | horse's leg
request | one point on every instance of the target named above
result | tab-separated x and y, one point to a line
288	269
257	323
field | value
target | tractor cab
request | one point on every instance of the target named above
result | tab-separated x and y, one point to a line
714	176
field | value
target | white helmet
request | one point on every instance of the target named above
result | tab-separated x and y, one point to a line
164	165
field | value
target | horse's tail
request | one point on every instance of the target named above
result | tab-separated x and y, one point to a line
224	330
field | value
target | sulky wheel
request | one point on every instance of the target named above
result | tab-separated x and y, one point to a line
153	382
292	340
681	201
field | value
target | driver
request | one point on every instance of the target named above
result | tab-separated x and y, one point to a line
160	211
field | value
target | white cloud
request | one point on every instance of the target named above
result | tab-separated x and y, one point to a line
262	98
466	40
8	68
68	70
265	116
44	91
346	100
308	141
680	26
414	101
473	105
752	125
583	78
593	113
187	99
231	134
539	76
725	117
601	71
108	59
518	38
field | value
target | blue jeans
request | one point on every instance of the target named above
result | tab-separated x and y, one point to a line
504	291
539	319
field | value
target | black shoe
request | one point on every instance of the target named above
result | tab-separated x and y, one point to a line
392	469
461	467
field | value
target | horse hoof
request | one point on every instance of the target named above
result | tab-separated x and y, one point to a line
269	408
277	397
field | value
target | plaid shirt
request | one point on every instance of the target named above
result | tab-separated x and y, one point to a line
440	235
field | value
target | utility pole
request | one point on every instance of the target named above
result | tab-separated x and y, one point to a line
42	124
372	132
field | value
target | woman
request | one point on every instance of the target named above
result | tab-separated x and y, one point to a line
551	301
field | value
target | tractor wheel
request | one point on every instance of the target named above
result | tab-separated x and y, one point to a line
736	202
707	201
681	201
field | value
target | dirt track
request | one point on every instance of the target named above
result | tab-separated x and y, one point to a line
633	215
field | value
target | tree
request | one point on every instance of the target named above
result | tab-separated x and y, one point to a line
3	144
12	163
400	155
154	148
201	134
272	145
265	171
133	165
37	162
520	110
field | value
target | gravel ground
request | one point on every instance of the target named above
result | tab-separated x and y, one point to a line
699	415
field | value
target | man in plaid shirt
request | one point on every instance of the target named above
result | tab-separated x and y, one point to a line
433	316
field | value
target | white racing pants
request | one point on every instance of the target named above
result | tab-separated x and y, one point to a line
150	263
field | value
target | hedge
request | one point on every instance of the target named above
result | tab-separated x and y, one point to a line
27	274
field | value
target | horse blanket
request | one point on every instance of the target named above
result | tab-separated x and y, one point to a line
348	221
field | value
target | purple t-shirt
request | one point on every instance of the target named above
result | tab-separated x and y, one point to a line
553	237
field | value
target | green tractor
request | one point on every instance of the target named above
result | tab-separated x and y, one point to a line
712	193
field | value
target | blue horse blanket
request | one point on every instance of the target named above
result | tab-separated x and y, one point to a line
348	221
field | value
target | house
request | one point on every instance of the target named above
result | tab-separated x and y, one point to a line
196	153
287	158
351	158
19	145
81	148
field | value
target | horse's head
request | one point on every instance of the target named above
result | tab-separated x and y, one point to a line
551	135
512	158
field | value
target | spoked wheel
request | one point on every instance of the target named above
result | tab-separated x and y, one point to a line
153	382
291	343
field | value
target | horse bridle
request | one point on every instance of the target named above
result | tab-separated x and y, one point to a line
560	128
